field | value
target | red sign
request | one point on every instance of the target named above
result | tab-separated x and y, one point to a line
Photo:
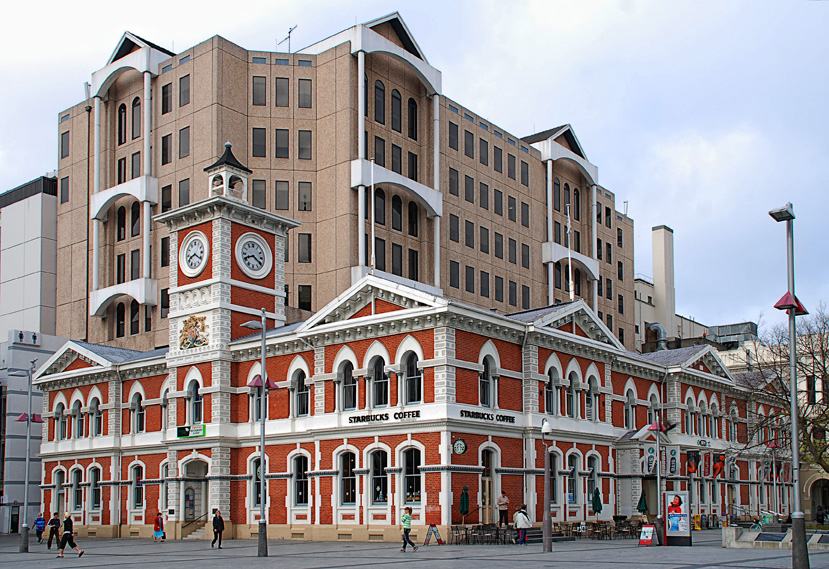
706	464
646	535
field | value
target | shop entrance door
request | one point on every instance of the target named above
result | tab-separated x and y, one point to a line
486	487
189	504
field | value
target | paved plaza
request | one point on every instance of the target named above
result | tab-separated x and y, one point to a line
129	553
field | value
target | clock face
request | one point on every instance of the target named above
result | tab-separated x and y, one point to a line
253	255
193	254
459	446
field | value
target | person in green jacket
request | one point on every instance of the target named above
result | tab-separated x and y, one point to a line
407	527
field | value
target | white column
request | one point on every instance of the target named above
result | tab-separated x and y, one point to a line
361	154
550	265
436	179
96	187
147	169
595	236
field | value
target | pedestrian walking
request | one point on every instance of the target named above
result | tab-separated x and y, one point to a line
40	525
503	508
68	537
522	522
218	528
407	528
54	531
158	529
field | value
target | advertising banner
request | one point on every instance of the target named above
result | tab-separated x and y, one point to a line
673	461
719	465
706	464
678	524
692	462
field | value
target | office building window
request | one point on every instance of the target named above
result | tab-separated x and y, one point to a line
380	206
577	241
282	91
621	304
511	208
600	288
599	249
282	194
380	254
64	190
379	151
513	293
470	234
379	102
184	91
258	193
135	165
184	142
576	204
396	111
282	143
166	149
525	174
484	238
483	150
304	196
470	279
304	93
607	217
511	166
608	289
453	182
469	144
499	289
469	189
619	239
609	253
557	232
304	245
136	118
165	251
396	159
184	192
135	264
397	259
557	195
135	219
620	270
525	297
497	159
413	166
453	136
498	202
120	268
513	252
483	195
164	303
454	228
525	255
166	100
166	198
304	145
414	265
412	119
484	284
414	216
396	213
454	274
499	245
622	335
525	214
557	275
122	125
303	293
259	142
259	86
135	318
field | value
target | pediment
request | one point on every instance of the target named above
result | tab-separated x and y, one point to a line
71	357
129	43
578	319
707	361
398	31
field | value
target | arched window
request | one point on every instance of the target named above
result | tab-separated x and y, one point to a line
135	317
301	480
630	410
302	395
592	402
733	426
77	421
380	382
572	400
713	422
689	417
195	398
414	217
137	487
96	418
577	282
701	421
137	409
122	124
411	475
653	408
594	468
256	483
412	119
379	102
165	472
164	402
557	195
553	477
60	422
135	219
77	490
349	387
136	118
380	206
576	204
348	480
396	111
95	489
256	403
572	477
485	385
414	377
379	478
121	229
551	391
397	213
566	196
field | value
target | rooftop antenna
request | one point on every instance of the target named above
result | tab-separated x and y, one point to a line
288	39
626	208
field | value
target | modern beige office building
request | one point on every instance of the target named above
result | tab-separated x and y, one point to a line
461	204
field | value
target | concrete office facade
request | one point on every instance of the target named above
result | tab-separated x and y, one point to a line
462	208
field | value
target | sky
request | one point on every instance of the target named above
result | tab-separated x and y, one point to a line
702	115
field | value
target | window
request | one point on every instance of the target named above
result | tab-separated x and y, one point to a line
304	145
525	174
572	477
304	297
349	387
303	196
499	289
137	487
135	317
413	265
380	254
469	234
513	293
557	275
525	255
454	274
135	219
413	170
513	251
136	165
282	143
259	143
136	118
95	489
304	244
137	412
557	195
122	125
412	119
121	224
483	195
413	381
379	151
396	159
166	101
379	478
166	149
453	181
576	204
302	395
348	481
525	214
379	102
414	215
630	410
165	303
281	195
593	468
301	481
620	270
380	206
484	284
380	383
397	259
621	304
599	249
525	297
78	427
166	198
498	202
184	91
811	392
607	216
469	189
609	289
609	252
396	111
96	423
551	391
469	144
511	166
282	91
60	422
411	475
598	213
497	159
304	93
258	193
619	240
120	317
557	232
484	152
259	85
484	239
571	399
195	399
257	494
453	136
499	245
122	170
511	208
184	192
184	142
454	228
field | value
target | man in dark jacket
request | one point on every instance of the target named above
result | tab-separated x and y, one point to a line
68	537
54	531
218	528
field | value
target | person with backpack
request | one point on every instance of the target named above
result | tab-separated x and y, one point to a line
40	525
54	531
522	522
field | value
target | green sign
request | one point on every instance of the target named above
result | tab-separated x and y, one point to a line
190	431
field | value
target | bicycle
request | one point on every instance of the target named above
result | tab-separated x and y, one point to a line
756	526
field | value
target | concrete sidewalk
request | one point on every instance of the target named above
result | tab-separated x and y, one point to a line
134	553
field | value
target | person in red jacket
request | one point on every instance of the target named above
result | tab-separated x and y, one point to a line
158	529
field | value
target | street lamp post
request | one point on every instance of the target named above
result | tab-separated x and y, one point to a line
262	537
24	533
789	302
547	523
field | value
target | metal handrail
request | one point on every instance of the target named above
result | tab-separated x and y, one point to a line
204	515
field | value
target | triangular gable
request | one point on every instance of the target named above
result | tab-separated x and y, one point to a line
71	356
563	135
129	43
357	300
587	325
707	361
399	27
